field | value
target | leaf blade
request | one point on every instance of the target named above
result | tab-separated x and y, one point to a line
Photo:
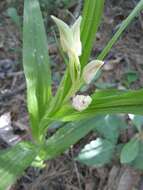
130	151
96	153
105	102
36	63
67	136
13	162
92	14
109	127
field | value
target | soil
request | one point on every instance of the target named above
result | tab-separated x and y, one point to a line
64	173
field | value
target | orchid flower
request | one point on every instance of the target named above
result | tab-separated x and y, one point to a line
69	36
71	44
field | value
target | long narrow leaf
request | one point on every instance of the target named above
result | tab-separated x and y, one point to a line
123	26
92	14
13	162
36	63
105	102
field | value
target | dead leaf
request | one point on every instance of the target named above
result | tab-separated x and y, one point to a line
6	130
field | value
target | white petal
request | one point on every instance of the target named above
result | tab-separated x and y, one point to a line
81	102
91	69
76	36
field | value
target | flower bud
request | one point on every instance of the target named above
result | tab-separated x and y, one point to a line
91	69
81	102
69	36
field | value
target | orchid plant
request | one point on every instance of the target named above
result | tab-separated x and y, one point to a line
71	35
77	112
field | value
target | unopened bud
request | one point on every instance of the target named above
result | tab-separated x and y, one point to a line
81	102
69	36
91	69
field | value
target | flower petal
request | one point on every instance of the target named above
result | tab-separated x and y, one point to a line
81	102
76	36
66	36
91	69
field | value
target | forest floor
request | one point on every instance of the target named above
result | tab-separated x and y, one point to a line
124	70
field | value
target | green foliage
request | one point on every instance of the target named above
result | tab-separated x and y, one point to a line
130	150
44	109
14	161
138	161
36	64
130	77
138	122
96	153
68	135
103	102
90	24
109	127
92	14
12	13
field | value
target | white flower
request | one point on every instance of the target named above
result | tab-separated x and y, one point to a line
71	44
81	102
91	69
70	36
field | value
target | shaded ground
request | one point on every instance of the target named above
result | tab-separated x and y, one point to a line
64	173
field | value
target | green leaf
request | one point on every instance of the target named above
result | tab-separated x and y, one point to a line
104	102
123	26
70	133
96	153
131	76
138	162
36	63
92	14
12	13
130	151
67	136
13	162
109	127
138	121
